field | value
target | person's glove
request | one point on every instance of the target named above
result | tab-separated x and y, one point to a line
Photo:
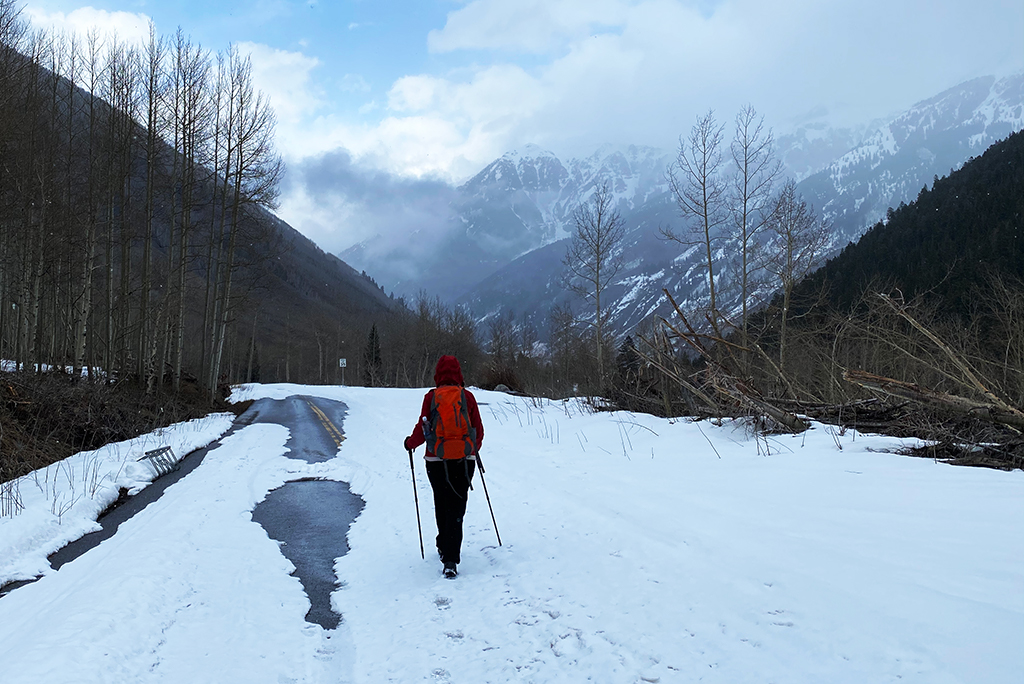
406	444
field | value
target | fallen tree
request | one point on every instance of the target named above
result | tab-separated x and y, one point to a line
1000	413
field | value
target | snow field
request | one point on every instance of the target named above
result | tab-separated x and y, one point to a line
635	550
188	590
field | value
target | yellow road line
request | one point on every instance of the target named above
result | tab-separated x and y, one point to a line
332	430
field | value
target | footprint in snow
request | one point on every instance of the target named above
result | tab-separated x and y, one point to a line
442	602
570	645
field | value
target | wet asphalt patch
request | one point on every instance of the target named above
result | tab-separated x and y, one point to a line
310	519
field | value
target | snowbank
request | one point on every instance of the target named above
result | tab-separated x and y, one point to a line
60	503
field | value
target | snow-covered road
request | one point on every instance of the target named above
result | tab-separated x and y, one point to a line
635	549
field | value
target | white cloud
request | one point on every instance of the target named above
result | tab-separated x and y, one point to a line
640	71
288	79
532	26
127	26
449	127
354	83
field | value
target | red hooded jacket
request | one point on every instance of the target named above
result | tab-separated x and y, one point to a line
447	372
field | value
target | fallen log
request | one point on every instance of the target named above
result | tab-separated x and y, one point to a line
1001	413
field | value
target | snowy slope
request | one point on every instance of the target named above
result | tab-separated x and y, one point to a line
930	139
635	550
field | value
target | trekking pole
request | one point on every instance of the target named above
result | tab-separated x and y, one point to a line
480	463
416	497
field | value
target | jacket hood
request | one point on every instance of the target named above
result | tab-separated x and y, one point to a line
448	372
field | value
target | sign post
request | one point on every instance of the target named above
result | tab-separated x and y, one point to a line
341	364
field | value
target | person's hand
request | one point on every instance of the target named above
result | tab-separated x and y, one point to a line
406	444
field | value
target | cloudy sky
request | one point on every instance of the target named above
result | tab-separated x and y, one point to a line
408	95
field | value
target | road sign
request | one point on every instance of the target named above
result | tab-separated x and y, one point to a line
342	363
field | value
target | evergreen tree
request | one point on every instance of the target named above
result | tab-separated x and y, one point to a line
372	360
628	360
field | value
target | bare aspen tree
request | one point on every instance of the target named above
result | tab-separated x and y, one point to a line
570	363
192	69
171	117
253	171
113	93
62	255
750	192
798	238
46	203
152	84
32	199
696	182
12	31
219	163
228	84
460	328
593	258
83	310
56	216
503	343
122	94
127	235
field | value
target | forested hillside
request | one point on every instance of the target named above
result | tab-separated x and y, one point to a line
137	237
141	268
944	246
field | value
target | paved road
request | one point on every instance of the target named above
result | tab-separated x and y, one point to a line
310	518
315	424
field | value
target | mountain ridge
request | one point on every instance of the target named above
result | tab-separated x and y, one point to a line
516	211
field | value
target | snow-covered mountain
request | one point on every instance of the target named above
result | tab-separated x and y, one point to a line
811	146
517	204
505	245
889	166
900	158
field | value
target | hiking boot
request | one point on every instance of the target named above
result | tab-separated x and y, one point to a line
450	571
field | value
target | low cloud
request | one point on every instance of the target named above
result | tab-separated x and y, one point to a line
339	202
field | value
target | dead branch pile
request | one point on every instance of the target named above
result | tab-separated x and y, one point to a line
966	419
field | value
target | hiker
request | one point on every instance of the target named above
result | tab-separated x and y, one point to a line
450	425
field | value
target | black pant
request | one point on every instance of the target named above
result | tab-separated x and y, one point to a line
450	481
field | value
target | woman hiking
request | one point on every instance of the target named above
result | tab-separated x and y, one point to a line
450	425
